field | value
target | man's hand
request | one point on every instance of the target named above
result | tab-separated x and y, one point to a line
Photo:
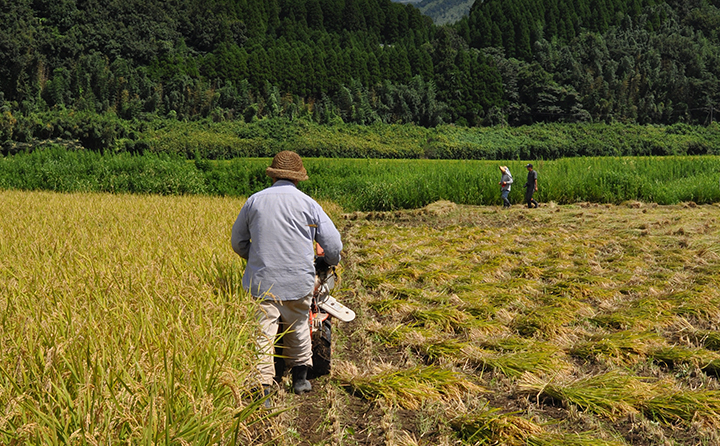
321	265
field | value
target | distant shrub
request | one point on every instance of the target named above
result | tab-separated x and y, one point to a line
229	139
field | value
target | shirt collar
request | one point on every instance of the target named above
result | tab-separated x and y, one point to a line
279	183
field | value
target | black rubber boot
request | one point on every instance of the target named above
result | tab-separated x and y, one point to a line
299	378
259	393
266	394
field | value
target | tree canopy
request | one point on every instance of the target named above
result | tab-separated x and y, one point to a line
508	62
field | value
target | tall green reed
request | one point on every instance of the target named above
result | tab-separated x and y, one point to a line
373	184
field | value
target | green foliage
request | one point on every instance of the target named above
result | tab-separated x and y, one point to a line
510	23
371	184
138	57
93	131
7	125
227	139
511	62
62	170
645	61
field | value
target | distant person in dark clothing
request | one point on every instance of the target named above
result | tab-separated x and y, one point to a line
505	181
531	187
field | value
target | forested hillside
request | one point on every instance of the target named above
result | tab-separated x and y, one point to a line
360	61
644	61
355	60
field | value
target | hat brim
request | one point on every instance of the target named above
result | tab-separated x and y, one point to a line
287	174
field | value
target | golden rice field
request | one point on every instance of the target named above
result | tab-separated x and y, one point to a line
122	322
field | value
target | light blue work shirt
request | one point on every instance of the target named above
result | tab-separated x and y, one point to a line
274	232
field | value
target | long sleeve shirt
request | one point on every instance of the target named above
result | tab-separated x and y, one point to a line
531	182
507	179
275	231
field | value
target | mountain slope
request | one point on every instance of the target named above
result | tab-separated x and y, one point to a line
445	11
442	12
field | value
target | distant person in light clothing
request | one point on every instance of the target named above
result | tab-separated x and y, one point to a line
505	181
531	186
275	231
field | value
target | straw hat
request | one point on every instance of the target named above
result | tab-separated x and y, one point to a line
503	169
287	165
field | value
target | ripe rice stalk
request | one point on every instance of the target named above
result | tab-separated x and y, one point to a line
391	306
390	335
572	439
637	315
517	344
437	276
515	364
625	347
685	407
513	356
372	281
543	321
409	388
708	338
447	318
672	356
403	292
701	304
612	395
571	290
492	426
453	349
711	367
404	271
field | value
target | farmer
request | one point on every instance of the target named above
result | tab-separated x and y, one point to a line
505	182
275	231
531	187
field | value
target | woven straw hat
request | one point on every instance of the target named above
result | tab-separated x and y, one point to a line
287	165
503	169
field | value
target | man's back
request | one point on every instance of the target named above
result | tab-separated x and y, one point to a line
275	231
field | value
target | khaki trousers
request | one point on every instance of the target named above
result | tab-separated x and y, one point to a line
297	350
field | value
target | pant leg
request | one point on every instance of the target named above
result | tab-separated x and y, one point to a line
504	196
268	317
298	345
529	196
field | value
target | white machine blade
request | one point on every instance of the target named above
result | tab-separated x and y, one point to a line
336	309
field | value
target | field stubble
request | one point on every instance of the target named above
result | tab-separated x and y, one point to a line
123	322
582	324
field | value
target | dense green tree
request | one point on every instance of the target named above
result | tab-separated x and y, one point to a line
511	23
509	61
